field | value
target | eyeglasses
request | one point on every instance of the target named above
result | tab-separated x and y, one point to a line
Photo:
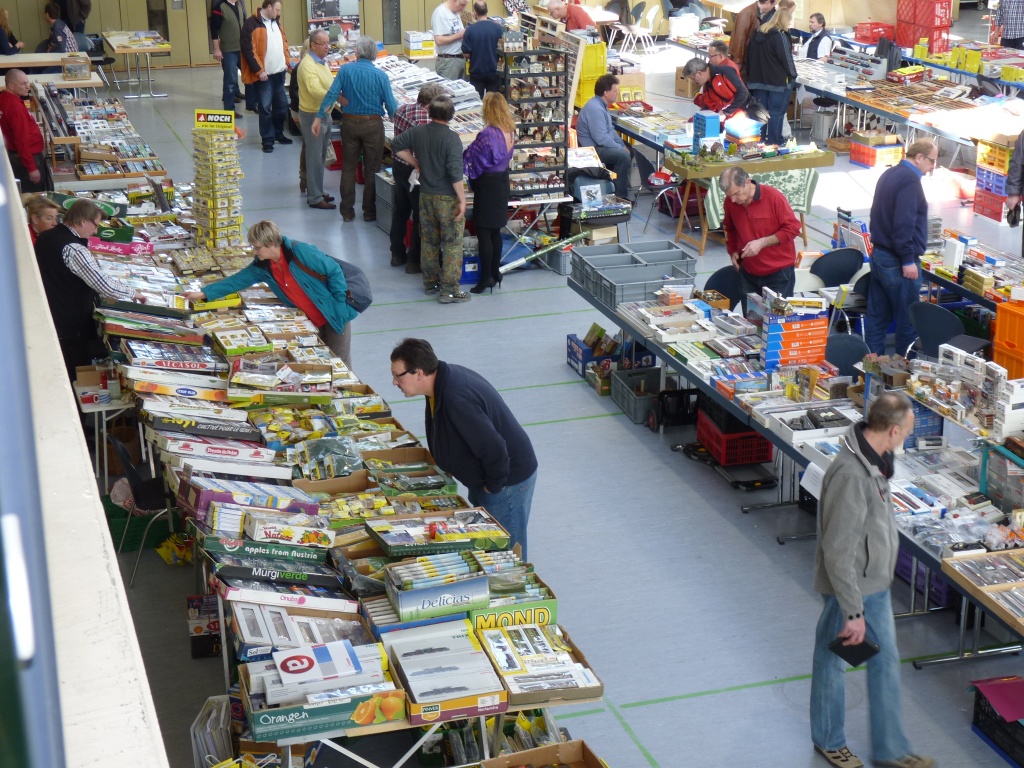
397	377
716	56
933	160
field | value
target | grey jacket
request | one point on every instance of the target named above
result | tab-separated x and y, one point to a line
1015	177
857	536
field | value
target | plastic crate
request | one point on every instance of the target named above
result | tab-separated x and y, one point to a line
653	246
939	591
594	63
1009	737
910	34
871	157
990	181
989	205
721	418
635	392
1009	322
871	32
470	270
589	265
584	90
973	327
118	518
729	450
933	13
927	423
616	285
906	10
559	262
1010	357
994	157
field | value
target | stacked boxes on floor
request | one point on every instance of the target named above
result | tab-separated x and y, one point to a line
706	125
218	197
875	148
990	193
924	20
418	45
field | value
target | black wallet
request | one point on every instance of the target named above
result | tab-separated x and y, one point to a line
854	655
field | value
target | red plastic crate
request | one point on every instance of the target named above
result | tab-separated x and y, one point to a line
737	448
906	10
908	35
871	32
933	13
989	205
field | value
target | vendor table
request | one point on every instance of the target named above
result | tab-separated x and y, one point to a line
127	44
35	60
796	462
57	81
103	413
791	173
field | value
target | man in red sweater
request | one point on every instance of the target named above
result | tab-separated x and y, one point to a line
760	230
22	137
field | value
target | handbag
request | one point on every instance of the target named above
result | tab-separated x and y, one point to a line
331	157
359	295
1013	215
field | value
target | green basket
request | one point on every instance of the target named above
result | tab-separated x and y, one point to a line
971	326
117	518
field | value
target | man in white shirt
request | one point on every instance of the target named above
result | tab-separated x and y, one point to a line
819	45
264	64
448	29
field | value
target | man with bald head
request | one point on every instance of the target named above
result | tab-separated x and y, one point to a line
22	136
573	15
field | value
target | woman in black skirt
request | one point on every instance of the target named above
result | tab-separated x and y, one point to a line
486	164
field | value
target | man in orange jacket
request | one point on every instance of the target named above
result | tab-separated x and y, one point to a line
264	64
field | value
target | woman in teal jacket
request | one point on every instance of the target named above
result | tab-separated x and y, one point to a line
300	275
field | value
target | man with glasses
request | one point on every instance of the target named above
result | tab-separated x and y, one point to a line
853	570
472	434
760	234
718	55
748	20
315	80
899	235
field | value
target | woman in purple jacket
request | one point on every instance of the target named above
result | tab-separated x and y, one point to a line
486	164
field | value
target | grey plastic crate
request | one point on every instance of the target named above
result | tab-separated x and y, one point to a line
581	253
653	246
625	384
616	285
592	264
558	262
666	257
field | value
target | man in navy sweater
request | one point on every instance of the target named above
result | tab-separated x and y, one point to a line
899	235
472	434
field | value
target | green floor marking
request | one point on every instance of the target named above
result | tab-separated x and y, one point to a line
571	418
174	133
513	290
473	322
633	737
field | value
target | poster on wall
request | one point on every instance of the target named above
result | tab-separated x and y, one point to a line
327	13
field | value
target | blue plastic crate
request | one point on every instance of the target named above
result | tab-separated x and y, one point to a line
470	270
990	181
927	423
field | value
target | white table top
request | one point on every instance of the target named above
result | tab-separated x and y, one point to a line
113	405
57	80
34	60
126	42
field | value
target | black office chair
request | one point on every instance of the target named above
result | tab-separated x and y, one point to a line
97	55
646	168
727	282
844	351
936	325
837	267
147	495
861	288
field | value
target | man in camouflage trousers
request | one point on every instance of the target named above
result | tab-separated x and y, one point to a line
438	158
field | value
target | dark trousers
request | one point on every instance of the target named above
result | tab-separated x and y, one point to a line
273	105
890	297
620	161
232	60
489	240
1012	42
45	183
407	203
776	102
361	135
486	84
782	282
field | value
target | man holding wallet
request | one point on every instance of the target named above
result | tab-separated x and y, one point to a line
853	570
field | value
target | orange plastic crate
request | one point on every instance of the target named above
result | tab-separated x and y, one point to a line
1009	326
1011	358
869	157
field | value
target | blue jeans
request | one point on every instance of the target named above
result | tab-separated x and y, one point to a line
776	102
510	506
230	64
828	681
273	105
889	298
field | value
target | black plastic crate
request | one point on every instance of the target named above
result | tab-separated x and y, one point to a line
721	418
1009	737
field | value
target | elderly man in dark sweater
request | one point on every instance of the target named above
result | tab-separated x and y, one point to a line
899	235
438	158
472	434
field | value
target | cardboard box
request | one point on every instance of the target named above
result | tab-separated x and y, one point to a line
454	709
537	612
210	447
283	599
573	754
685	87
578	355
262	527
409	455
450	487
212	542
601	384
440	600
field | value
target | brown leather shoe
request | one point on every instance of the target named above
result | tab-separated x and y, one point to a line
348	216
329	198
323	205
369	217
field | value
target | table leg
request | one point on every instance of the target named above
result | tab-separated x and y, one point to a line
138	77
803	229
682	209
149	74
96	444
962	654
106	466
224	646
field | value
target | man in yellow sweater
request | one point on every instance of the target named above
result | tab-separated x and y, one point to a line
314	81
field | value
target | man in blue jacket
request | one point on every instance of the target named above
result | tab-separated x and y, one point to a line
300	275
899	235
472	434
